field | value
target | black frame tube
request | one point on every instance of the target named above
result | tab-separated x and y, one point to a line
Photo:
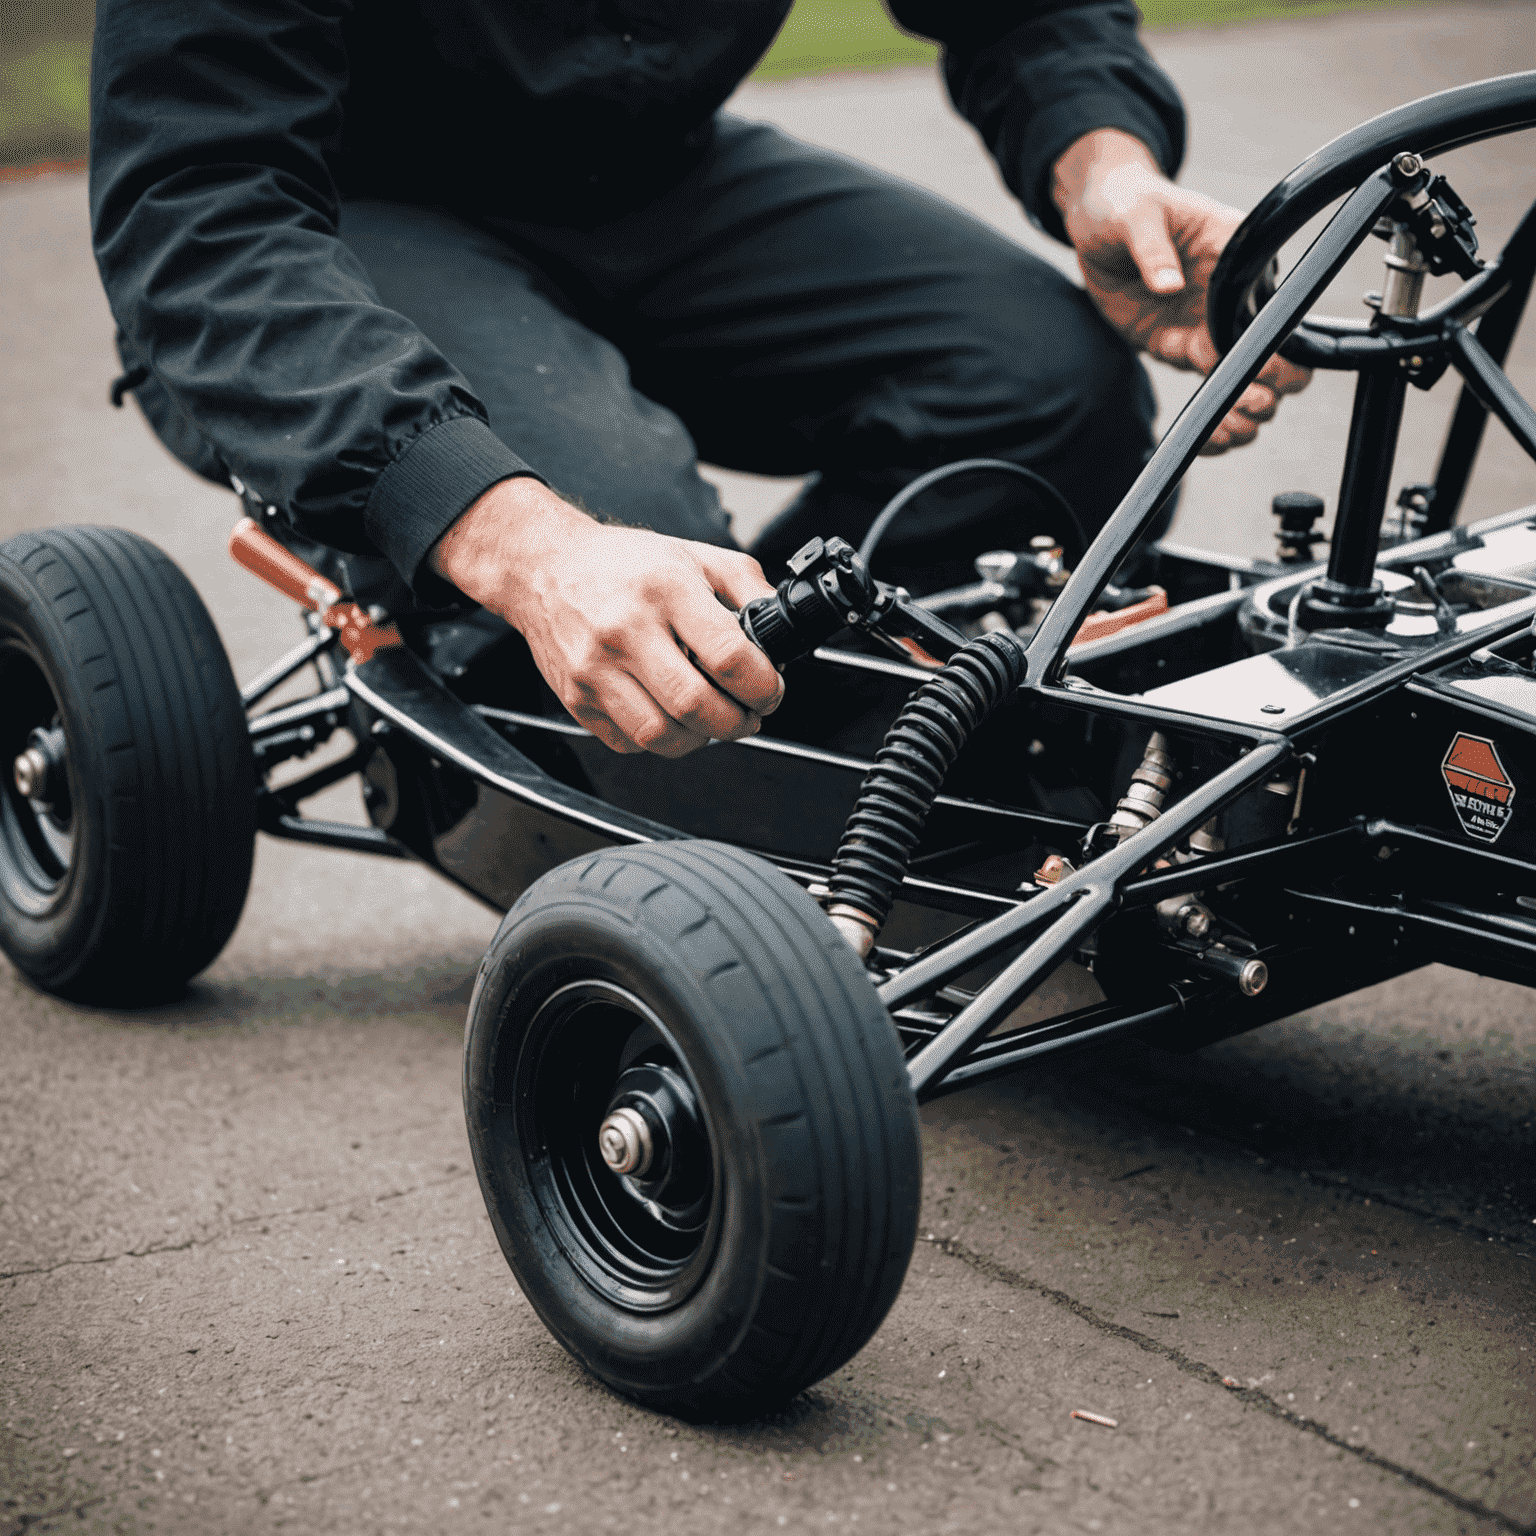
285	666
999	1056
1517	265
1183	441
1365	483
1488	381
334	701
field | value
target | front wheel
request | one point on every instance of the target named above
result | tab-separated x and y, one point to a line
692	1126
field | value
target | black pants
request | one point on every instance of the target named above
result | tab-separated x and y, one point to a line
781	310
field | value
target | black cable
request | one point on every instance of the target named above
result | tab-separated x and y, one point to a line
892	509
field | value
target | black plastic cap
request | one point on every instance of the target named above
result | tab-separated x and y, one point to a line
1297	510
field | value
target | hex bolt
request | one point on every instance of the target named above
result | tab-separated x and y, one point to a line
624	1139
30	772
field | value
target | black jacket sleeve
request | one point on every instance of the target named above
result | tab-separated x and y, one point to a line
1033	76
214	218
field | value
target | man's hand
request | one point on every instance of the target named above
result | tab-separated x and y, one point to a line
625	625
1147	249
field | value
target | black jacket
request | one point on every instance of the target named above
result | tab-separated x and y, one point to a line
225	132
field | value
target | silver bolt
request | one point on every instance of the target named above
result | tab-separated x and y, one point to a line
624	1139
30	771
1253	978
1196	921
996	565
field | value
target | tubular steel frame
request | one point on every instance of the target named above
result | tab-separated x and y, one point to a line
396	690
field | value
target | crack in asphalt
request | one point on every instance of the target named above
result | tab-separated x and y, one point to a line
238	1221
994	1270
1439	1218
1516	1240
76	1507
107	1258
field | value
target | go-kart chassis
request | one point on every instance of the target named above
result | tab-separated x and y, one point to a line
1351	855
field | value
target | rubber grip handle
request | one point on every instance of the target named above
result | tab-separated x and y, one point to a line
255	549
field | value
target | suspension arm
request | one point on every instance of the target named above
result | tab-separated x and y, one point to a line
1060	919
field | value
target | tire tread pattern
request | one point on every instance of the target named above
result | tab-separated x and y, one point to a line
828	1079
167	762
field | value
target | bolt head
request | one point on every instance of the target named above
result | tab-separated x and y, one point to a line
1196	921
30	771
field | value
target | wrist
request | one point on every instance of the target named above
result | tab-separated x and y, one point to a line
1090	160
503	539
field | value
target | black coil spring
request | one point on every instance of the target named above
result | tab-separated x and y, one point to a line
919	749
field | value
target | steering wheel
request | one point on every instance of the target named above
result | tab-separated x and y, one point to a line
1406	136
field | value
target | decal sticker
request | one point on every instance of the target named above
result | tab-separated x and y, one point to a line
1480	789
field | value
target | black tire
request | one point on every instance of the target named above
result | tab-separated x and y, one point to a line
134	879
696	959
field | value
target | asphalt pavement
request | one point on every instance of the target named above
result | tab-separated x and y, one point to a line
246	1281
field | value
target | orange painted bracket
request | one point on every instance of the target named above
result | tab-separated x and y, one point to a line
258	552
1097	625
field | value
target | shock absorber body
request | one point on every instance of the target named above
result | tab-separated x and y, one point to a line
1142	802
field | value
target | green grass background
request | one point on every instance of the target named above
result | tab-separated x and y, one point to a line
45	54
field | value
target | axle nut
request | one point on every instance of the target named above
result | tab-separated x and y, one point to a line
624	1139
30	772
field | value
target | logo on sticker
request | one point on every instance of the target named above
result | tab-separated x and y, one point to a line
1480	789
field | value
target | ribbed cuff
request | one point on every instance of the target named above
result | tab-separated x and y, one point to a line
428	488
1055	129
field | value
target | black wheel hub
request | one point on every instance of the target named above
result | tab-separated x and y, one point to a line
597	1058
36	798
673	1181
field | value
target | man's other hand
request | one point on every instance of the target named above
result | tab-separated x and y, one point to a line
627	626
1147	249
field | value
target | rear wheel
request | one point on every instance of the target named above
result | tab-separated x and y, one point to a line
692	1125
127	787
